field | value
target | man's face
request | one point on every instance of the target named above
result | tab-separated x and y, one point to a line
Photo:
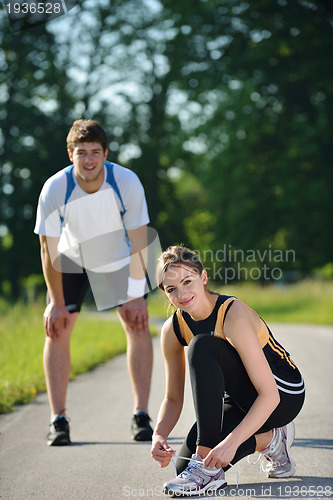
88	159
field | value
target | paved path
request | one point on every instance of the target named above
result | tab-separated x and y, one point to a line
103	462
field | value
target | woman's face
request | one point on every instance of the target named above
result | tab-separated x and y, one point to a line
184	286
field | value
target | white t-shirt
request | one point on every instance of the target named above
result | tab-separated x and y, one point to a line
92	227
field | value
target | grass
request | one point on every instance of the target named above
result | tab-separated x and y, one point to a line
95	340
304	302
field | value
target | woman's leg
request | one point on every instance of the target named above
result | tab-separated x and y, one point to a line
232	417
215	367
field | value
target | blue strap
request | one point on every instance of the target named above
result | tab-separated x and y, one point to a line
70	187
70	182
112	181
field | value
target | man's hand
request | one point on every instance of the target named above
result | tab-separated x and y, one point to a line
135	314
56	318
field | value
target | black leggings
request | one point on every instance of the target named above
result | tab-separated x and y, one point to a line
216	368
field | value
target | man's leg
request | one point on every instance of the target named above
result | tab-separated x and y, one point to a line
57	368
140	364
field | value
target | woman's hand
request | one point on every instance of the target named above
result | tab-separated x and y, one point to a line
221	455
161	451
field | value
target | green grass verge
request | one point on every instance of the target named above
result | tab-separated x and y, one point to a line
305	302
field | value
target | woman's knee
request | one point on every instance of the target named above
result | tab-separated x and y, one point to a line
201	348
205	348
198	341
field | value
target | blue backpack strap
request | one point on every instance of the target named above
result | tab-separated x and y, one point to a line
112	181
70	182
70	187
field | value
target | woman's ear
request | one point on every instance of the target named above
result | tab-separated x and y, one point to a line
204	277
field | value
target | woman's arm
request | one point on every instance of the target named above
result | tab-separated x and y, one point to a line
171	407
241	327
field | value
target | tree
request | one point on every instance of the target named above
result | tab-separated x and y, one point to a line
260	73
33	118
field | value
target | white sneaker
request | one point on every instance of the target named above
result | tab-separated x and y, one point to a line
196	479
280	462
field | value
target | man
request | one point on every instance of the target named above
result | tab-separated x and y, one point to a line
92	223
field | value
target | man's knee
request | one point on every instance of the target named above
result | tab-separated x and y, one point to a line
136	335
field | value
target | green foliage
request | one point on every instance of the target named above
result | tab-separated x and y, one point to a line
222	108
326	272
33	119
260	74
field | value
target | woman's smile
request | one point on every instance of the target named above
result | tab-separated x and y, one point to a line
186	302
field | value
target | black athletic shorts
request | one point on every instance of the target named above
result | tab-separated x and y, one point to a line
108	289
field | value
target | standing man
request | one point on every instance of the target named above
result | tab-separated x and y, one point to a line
92	223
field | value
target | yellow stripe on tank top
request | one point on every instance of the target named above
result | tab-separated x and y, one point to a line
280	351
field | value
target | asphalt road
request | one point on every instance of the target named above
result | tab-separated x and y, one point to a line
103	462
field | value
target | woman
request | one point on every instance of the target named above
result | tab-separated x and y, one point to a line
246	389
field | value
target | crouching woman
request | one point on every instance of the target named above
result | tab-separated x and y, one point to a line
246	388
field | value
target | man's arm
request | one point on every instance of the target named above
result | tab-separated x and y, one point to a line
56	314
139	252
134	311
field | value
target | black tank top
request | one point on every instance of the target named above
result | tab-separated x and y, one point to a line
284	369
205	326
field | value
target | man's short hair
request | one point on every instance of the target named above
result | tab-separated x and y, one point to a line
86	131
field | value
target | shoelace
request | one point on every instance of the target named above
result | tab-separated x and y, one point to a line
263	457
266	464
199	462
263	465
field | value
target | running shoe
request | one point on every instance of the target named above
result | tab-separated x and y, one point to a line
196	480
59	431
140	427
278	452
